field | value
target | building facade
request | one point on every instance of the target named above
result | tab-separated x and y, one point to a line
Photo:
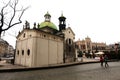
3	47
44	44
11	49
6	50
87	46
69	46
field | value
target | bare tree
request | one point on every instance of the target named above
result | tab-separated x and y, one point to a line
10	15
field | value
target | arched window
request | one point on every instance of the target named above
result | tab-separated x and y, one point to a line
70	41
44	35
24	35
22	52
17	52
28	52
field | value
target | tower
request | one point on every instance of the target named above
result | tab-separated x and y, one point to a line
47	17
47	25
62	24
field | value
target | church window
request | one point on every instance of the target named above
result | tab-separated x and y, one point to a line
62	22
44	35
18	52
28	52
30	35
70	41
22	52
24	35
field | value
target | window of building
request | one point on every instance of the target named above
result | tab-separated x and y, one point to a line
24	35
70	41
44	35
30	35
28	52
18	52
22	52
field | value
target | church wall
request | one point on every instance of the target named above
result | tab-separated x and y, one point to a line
23	45
33	52
23	53
23	58
18	51
69	34
49	50
42	52
28	57
60	52
44	49
69	45
52	52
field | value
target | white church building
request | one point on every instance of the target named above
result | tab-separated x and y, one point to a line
44	44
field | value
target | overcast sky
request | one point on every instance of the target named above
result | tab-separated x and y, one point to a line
97	19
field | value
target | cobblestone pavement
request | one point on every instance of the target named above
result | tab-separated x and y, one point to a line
4	65
78	72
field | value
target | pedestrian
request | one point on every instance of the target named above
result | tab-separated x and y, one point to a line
106	61
101	59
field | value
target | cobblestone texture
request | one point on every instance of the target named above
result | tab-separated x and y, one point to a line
78	72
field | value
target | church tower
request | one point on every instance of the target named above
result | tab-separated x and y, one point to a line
62	24
47	17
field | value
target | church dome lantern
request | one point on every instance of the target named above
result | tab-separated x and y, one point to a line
47	17
47	22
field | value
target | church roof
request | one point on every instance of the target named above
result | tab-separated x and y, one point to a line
47	14
48	24
69	28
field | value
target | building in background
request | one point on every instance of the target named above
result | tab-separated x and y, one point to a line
87	46
10	49
5	48
114	47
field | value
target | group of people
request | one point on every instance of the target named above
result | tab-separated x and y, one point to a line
104	59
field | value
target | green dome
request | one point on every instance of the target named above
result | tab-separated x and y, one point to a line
48	24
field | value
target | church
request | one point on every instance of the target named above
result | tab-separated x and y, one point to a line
45	44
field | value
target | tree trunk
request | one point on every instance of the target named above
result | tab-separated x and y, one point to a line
0	32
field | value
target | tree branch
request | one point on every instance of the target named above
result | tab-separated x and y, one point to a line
13	6
5	7
2	15
2	20
11	25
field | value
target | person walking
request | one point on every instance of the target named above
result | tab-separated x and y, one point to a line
106	61
101	60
